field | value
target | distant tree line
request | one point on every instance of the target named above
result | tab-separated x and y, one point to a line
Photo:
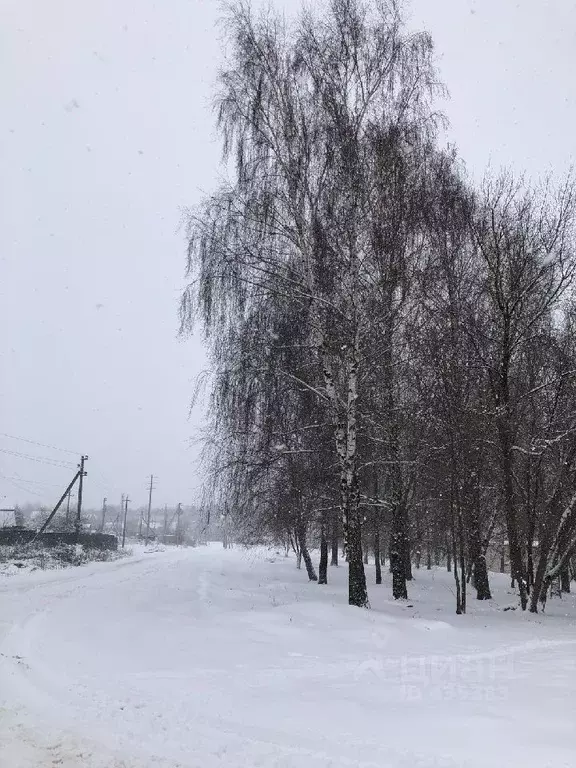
392	347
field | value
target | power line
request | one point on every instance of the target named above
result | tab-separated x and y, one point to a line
32	482
40	459
104	481
42	445
20	487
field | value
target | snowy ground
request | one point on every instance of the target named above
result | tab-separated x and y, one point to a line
209	658
31	557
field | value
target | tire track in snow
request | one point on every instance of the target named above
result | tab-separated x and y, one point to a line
203	587
22	681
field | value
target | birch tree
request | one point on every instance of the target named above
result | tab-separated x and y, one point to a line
296	108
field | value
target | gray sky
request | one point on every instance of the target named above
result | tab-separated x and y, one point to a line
106	134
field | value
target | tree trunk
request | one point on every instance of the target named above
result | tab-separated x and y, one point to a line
377	555
456	577
346	449
481	580
530	570
296	547
505	435
479	570
305	553
376	528
357	592
323	567
462	554
309	564
397	555
334	542
530	554
457	536
542	584
565	579
407	559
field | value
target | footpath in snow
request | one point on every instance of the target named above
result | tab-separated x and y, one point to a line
213	658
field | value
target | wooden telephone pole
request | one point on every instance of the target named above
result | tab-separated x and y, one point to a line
118	523
126	500
81	475
150	489
103	521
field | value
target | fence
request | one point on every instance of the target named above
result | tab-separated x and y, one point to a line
15	536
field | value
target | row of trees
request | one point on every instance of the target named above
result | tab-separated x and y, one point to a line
392	351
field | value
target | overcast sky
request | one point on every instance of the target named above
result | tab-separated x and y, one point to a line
107	134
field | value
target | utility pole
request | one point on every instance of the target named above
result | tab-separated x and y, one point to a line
103	514
150	489
58	505
119	516
125	500
81	475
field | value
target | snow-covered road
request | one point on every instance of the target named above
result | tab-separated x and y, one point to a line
206	657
